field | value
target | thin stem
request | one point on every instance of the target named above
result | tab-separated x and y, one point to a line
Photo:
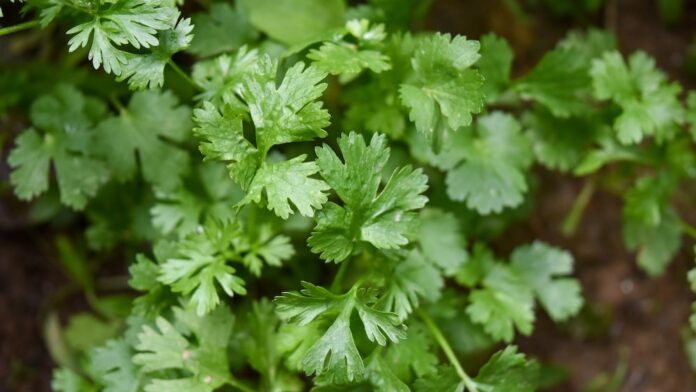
689	230
470	384
570	223
183	74
336	284
19	27
239	385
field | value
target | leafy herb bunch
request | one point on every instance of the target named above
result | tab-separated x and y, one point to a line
319	190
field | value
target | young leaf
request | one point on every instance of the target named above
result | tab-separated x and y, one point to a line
201	262
335	356
650	106
445	92
382	219
504	302
341	57
492	174
147	70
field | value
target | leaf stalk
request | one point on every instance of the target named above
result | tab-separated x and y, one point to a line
469	383
18	27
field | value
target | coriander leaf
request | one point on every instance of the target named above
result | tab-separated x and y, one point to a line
147	70
165	347
113	367
66	380
382	219
650	226
560	143
288	112
335	355
294	21
381	376
495	65
375	105
441	240
285	182
560	82
445	92
62	137
445	380
650	106
412	357
222	29
504	302
204	194
342	57
135	22
281	114
492	174
508	370
541	266
142	133
412	279
221	77
201	262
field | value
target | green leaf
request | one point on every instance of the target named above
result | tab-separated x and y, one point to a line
492	174
221	77
412	357
445	380
412	279
650	225
381	376
62	137
508	370
495	65
203	354
205	194
144	133
285	182
441	240
335	356
114	369
650	106
281	114
201	264
383	219
223	28
66	380
342	57
445	92
560	82
294	21
541	267
504	302
560	143
135	22
147	71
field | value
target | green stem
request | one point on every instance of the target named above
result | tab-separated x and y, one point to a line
19	27
469	383
336	284
689	230
239	385
183	74
570	223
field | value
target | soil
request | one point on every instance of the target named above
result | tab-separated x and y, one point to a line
630	320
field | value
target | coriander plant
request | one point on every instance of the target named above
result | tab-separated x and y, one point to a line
305	193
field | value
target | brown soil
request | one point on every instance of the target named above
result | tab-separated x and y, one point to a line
642	317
